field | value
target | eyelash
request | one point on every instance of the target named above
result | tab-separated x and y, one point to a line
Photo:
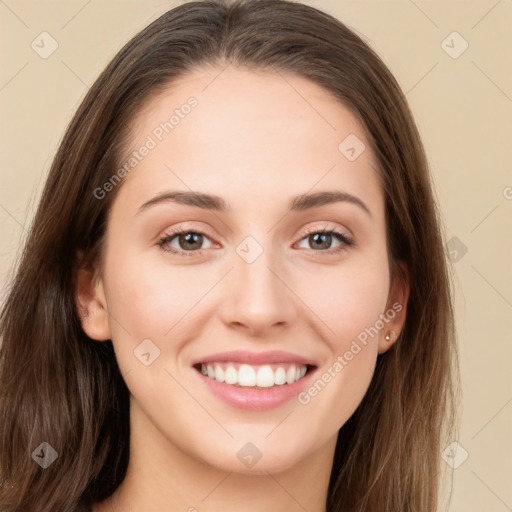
342	237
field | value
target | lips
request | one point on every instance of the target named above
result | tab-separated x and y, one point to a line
249	369
256	358
244	388
255	380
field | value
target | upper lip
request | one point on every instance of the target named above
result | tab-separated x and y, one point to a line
255	358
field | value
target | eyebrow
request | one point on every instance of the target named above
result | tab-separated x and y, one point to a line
218	204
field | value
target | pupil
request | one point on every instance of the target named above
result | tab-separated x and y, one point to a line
325	236
189	239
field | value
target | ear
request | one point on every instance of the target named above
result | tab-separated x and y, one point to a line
396	308
91	303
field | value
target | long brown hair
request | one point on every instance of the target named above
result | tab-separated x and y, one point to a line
59	386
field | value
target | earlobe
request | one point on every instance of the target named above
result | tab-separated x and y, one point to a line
92	305
397	307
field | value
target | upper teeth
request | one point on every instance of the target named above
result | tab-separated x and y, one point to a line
247	375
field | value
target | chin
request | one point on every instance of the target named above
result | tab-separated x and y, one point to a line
256	458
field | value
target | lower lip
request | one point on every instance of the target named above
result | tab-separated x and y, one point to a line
256	399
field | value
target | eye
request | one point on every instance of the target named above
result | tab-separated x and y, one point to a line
321	240
189	242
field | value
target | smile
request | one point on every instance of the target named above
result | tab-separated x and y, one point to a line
255	376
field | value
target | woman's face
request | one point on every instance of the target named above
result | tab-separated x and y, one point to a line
251	289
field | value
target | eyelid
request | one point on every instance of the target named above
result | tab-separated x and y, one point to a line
174	232
347	240
327	228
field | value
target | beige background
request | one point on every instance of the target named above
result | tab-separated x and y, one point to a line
463	107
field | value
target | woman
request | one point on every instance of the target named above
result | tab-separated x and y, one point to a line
139	372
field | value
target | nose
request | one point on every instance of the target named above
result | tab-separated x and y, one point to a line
258	297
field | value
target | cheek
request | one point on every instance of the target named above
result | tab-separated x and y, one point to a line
349	302
155	302
343	380
149	299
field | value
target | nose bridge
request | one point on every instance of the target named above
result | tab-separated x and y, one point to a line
257	296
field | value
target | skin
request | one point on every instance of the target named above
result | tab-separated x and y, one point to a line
256	139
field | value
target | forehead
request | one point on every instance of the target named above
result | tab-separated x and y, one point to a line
242	132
